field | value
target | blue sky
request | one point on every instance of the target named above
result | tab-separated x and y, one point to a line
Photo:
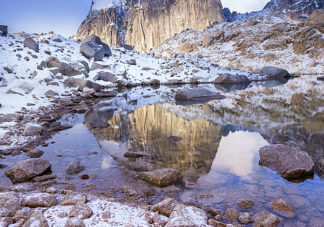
64	16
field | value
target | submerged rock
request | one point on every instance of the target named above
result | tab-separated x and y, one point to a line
266	219
197	94
27	169
161	177
74	168
245	204
283	208
187	216
286	161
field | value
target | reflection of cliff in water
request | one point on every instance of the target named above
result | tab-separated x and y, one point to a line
170	141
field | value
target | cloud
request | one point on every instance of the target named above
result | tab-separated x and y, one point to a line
244	6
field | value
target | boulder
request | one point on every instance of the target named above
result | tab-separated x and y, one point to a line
34	153
286	161
93	85
106	76
232	214
161	177
69	68
283	208
74	168
31	44
73	198
187	216
81	210
165	207
245	218
36	219
32	130
3	30
266	219
232	79
9	204
274	72
317	17
39	200
74	222
27	169
92	50
97	40
197	94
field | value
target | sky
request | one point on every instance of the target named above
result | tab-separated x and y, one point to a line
64	16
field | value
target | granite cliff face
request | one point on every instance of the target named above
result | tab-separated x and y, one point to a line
147	24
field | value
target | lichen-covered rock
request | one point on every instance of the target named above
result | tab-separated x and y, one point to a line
161	177
232	214
37	219
165	207
73	198
286	161
74	222
9	204
283	208
39	200
27	169
187	216
245	204
81	211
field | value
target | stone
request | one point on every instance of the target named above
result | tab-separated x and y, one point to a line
36	219
208	41
74	222
161	177
31	44
131	62
73	198
92	50
128	190
232	214
44	178
283	208
317	17
27	169
96	65
197	94
106	76
245	218
97	40
165	207
34	153
74	168
214	223
3	30
58	40
187	216
287	162
51	93
274	72
9	204
245	204
32	130
265	218
39	200
81	211
75	83
232	79
95	86
53	62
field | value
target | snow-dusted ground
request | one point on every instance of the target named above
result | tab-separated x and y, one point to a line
250	45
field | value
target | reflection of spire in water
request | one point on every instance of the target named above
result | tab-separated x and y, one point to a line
149	128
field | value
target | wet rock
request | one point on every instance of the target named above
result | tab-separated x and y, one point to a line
44	178
9	204
165	207
138	166
287	162
197	94
187	216
245	218
283	208
27	169
161	177
265	218
274	72
31	44
174	138
74	222
2	166
74	168
232	79
34	153
32	130
92	50
37	219
39	200
213	222
106	76
245	204
73	198
232	214
127	190
81	211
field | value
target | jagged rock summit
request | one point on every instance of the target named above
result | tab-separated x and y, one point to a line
148	23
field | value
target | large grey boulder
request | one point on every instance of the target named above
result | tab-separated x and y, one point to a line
274	72
286	161
232	79
97	40
197	94
187	216
27	169
31	44
92	50
3	30
161	177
